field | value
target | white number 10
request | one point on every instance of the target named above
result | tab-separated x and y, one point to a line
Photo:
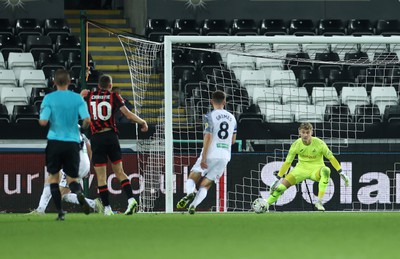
98	110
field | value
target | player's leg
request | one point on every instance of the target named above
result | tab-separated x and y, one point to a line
321	175
193	179
44	198
99	160
71	169
54	165
216	168
115	155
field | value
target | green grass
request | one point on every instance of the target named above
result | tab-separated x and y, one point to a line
203	235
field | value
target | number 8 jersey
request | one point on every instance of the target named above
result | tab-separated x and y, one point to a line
102	106
222	125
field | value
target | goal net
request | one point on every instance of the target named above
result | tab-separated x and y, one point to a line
342	85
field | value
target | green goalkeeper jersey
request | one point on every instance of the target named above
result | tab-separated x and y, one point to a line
309	155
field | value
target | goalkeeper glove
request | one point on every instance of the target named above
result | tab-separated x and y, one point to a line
344	177
275	184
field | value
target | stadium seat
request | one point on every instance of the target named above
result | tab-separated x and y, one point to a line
283	78
342	49
214	27
11	96
385	58
310	78
277	113
209	60
392	113
271	27
258	48
359	27
180	63
27	26
253	78
326	57
20	61
387	27
286	48
38	44
54	59
7	78
6	28
266	95
185	27
296	95
268	65
384	96
2	63
66	43
25	113
10	44
337	113
352	96
243	27
324	96
356	57
29	79
329	27
56	26
367	113
4	115
238	63
37	96
312	49
301	27
156	29
309	113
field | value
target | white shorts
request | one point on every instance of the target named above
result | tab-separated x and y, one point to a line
216	168
84	168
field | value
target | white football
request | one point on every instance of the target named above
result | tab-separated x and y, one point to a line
258	205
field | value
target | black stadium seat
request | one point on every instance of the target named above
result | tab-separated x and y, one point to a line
270	27
56	26
4	117
5	27
214	27
156	29
10	44
337	113
186	27
387	27
367	113
330	27
67	43
28	25
360	27
25	113
38	44
243	27
301	27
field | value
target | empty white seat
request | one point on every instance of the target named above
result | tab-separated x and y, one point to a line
286	48
266	95
314	48
353	96
278	113
20	61
238	61
257	48
29	79
7	78
383	96
11	96
225	48
294	95
283	78
2	64
309	113
324	96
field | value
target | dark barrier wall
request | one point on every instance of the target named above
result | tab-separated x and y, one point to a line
39	9
273	9
375	183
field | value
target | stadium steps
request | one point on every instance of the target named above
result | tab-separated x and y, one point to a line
109	57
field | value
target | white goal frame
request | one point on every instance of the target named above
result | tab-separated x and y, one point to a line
170	40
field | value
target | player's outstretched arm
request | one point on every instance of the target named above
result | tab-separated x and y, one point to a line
134	118
338	168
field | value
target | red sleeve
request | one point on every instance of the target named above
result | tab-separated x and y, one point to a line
118	100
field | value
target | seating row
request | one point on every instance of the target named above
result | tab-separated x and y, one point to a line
157	28
31	25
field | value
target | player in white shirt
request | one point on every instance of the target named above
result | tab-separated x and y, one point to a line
84	168
219	135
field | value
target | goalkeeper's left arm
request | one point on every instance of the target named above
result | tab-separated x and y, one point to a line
338	168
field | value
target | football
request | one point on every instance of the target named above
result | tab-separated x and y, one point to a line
258	205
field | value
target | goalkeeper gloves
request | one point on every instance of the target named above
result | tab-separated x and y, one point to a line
275	184
344	177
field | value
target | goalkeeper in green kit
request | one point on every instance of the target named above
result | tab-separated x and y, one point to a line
311	152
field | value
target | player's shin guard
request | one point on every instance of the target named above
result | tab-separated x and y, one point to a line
103	191
126	185
323	182
276	194
56	194
190	186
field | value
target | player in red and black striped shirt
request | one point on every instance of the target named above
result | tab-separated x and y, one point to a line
103	104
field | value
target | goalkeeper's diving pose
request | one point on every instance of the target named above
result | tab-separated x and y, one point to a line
311	152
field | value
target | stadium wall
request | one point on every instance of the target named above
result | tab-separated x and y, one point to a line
375	181
39	9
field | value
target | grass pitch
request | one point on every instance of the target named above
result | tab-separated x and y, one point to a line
203	235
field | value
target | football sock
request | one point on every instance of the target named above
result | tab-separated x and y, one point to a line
103	191
73	198
200	196
44	198
190	186
276	194
55	192
126	185
323	182
75	187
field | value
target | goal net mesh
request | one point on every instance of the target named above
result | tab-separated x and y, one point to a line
342	89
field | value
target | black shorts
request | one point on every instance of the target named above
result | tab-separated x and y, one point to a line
105	145
63	155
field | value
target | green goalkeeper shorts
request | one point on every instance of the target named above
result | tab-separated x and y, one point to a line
300	173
